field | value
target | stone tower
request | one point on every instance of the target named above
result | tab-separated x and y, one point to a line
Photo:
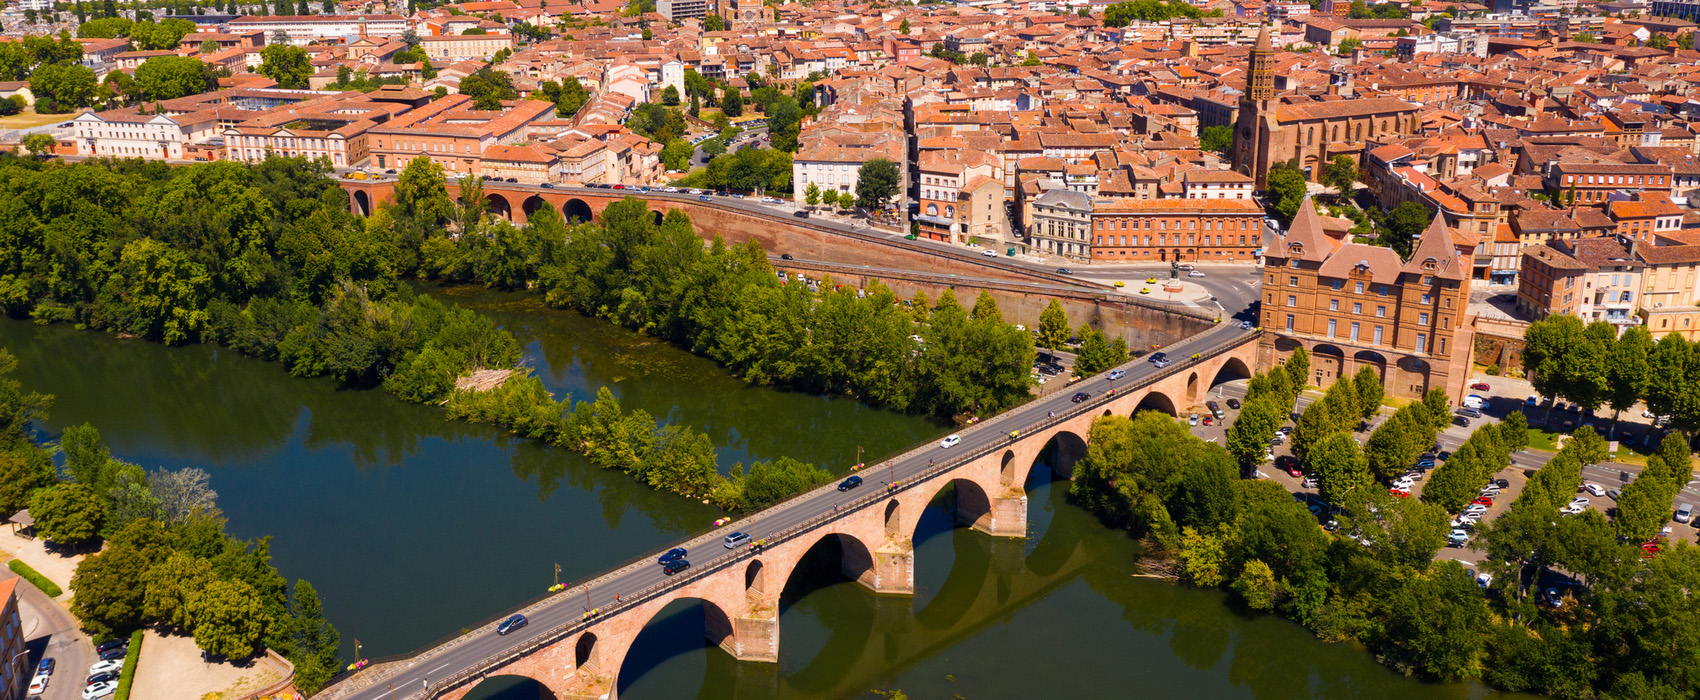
1257	111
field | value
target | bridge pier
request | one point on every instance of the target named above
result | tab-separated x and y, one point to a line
894	568
755	636
1008	516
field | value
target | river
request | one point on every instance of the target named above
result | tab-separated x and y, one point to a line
411	527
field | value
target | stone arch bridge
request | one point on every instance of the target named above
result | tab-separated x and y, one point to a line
578	655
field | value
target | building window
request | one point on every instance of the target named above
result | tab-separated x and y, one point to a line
1422	342
1360	288
1292	300
1339	284
1377	340
1357	308
1443	346
1354	335
1333	304
1292	281
1381	289
1381	311
1422	319
1425	297
1290	320
1331	325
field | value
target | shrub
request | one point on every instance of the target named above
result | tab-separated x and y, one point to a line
35	578
1493	370
131	658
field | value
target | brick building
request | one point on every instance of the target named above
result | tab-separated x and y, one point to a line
1354	305
1163	230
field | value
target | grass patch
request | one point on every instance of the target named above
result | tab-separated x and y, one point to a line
35	578
131	658
28	120
1547	441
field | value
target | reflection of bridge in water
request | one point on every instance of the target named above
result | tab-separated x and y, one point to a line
990	578
576	655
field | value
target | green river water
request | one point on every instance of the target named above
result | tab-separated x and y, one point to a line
412	527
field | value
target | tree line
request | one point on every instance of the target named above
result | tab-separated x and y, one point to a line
1592	366
167	562
726	303
1626	633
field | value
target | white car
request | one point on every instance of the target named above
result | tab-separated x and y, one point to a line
989	253
114	666
1484	579
1572	509
1581	501
1475	508
1594	489
100	690
1194	273
950	441
38	685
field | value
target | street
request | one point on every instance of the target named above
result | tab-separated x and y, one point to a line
50	631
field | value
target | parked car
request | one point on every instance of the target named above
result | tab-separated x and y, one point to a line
1502	483
1484	579
514	622
45	668
850	483
1209	420
104	666
100	690
1594	489
950	441
38	685
1215	408
1474	401
1234	404
102	677
1461	421
735	539
1469	412
1532	401
111	654
1481	386
109	645
1458	537
1309	482
1684	512
1192	419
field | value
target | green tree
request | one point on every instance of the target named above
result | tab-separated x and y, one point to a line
68	514
1216	138
1285	189
1340	469
1053	326
286	64
170	587
903	27
1347	46
811	195
1297	368
732	104
40	144
714	23
676	155
167	291
315	640
1342	171
61	88
1367	383
670	96
229	620
171	77
1628	369
1403	225
22	472
1436	625
1249	435
1257	586
1514	431
1439	408
109	597
876	181
86	457
17	407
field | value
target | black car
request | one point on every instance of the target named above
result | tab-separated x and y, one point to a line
513	179
110	644
103	677
674	553
800	214
675	566
113	654
785	256
1461	421
513	623
1064	271
1502	483
1234	404
548	186
1080	396
1158	357
849	483
1215	409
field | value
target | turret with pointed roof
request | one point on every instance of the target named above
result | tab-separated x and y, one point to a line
1435	254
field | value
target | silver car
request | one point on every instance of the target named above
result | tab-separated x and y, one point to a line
1684	512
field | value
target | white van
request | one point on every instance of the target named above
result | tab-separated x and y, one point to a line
1473	401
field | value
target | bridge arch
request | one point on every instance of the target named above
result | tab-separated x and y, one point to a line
1232	369
576	211
659	217
532	204
967	503
1192	388
1006	470
583	649
510	685
496	204
755	579
1371	358
1157	401
1064	449
855	559
362	203
1326	364
665	634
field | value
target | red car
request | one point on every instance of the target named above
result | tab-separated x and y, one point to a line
1480	386
1209	420
1652	547
1484	501
1400	494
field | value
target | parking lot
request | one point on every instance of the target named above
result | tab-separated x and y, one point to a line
1500	398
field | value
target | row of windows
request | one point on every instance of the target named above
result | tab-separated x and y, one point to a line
1358	309
1163	239
1163	224
1614	179
1375	338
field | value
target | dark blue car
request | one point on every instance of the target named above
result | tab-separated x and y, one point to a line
511	624
46	667
849	483
672	555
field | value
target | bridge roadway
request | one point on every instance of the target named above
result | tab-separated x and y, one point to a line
436	670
